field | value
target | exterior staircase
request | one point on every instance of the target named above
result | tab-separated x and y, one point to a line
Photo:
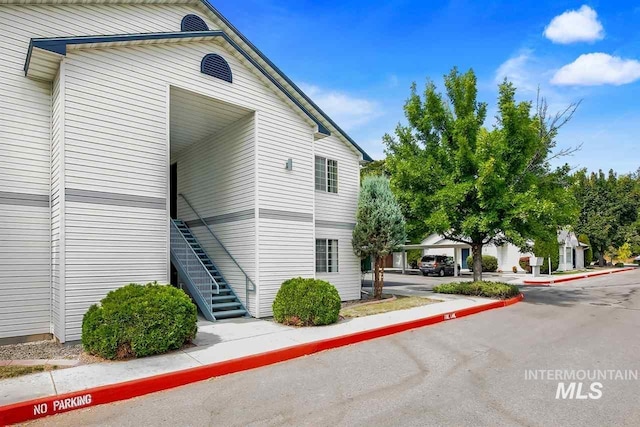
206	284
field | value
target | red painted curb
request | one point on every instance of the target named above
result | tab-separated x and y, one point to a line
583	276
38	408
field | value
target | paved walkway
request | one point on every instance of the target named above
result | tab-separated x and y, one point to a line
215	342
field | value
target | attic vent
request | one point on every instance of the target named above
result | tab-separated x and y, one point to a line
215	65
193	23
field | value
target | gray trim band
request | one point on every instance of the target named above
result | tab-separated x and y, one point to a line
221	219
285	215
335	224
115	199
24	199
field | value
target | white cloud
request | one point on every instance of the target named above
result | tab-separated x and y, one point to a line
520	71
347	111
530	73
593	69
572	26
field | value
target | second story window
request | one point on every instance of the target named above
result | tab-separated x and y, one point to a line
326	175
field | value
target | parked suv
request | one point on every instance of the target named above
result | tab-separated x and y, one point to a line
441	265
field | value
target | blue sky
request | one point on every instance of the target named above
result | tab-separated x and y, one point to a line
358	59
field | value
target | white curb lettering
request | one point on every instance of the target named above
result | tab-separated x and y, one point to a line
40	409
71	402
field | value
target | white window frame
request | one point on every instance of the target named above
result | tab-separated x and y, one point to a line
331	256
328	181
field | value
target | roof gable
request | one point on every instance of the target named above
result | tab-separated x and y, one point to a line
234	37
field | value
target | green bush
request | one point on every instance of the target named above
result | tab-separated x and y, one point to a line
489	263
619	264
306	302
479	289
588	253
138	321
525	263
545	250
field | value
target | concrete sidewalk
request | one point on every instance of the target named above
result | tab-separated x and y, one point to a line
215	342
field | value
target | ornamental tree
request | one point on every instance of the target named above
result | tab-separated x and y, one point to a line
473	185
380	226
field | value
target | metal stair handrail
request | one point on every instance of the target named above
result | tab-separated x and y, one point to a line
246	276
195	256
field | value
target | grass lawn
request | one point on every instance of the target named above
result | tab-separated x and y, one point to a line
400	303
16	371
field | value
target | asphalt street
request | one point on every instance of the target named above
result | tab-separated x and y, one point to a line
466	372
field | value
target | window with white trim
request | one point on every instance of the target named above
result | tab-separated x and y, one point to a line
326	175
326	256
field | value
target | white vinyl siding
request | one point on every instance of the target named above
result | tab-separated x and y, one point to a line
133	123
24	270
29	260
335	214
57	204
217	175
114	139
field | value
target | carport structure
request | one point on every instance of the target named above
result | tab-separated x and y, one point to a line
442	244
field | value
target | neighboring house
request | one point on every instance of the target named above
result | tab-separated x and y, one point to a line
571	251
120	115
508	255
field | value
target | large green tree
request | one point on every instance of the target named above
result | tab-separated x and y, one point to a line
609	207
374	168
476	185
380	226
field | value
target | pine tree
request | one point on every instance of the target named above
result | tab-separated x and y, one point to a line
380	226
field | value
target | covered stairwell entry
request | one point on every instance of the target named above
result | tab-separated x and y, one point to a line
212	203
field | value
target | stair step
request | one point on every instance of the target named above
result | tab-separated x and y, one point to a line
212	292
229	313
222	298
224	305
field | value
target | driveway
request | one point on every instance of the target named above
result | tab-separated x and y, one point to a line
467	372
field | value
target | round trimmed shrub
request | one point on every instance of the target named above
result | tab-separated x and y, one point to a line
138	321
489	263
306	302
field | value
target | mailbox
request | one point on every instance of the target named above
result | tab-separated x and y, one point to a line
536	261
